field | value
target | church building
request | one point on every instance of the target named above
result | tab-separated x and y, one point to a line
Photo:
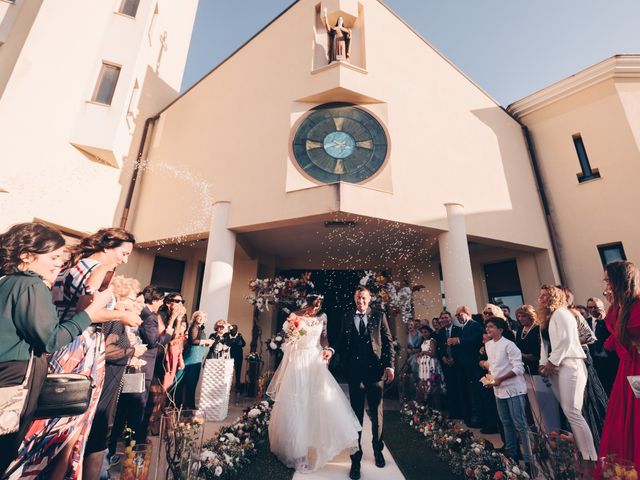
337	139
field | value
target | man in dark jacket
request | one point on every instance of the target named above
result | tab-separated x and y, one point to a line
368	358
466	352
449	367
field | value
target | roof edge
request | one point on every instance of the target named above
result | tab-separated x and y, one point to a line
617	66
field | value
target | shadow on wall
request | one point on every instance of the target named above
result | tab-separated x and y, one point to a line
517	177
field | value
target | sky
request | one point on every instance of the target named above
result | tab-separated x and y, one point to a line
510	48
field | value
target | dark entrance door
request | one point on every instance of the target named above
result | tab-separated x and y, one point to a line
503	284
338	287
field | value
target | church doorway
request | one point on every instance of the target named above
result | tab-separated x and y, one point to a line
338	287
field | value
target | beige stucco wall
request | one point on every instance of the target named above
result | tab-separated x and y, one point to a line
228	139
598	211
49	66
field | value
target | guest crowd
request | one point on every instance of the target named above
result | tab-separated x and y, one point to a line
557	366
63	311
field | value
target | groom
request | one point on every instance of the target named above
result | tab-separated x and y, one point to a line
368	358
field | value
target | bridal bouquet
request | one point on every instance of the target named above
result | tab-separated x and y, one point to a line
293	328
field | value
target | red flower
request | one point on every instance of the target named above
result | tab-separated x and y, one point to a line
498	476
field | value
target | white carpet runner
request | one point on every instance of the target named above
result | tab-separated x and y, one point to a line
338	469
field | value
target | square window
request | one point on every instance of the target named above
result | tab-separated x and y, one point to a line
106	86
611	252
129	7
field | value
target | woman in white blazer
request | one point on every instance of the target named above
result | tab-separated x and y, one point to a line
562	361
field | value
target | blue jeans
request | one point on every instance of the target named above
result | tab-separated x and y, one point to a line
512	415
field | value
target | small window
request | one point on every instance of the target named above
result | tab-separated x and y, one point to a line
106	85
129	7
587	172
611	253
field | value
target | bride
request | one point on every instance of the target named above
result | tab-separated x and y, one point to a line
312	420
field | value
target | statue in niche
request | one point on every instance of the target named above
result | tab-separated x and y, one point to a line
339	40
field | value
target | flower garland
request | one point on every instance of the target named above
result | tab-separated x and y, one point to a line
274	344
288	293
228	452
387	292
466	455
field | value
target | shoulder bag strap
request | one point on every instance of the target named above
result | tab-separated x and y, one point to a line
29	366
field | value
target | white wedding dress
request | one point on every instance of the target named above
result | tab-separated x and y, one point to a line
312	420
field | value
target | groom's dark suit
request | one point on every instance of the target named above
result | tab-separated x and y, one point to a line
364	357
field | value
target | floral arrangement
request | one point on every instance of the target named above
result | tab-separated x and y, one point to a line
137	458
387	292
274	344
253	357
221	350
555	453
181	438
288	293
617	469
468	456
228	452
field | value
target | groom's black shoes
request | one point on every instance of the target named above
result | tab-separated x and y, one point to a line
354	473
379	459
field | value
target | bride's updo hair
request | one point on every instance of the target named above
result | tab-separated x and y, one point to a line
314	300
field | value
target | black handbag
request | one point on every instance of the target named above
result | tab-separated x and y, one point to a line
64	395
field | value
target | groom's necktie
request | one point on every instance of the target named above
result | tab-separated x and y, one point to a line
361	327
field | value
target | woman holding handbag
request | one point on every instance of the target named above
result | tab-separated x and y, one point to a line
54	447
31	256
194	352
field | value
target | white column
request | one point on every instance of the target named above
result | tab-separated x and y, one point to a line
455	261
218	269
